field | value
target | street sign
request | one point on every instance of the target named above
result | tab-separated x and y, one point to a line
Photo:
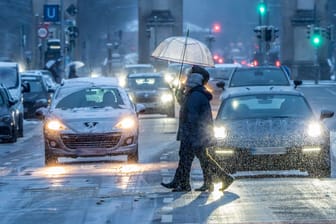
51	13
72	10
42	32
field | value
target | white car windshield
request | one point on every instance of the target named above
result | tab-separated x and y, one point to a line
92	97
259	77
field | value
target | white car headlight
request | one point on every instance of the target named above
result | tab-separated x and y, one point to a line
126	123
220	132
169	78
314	129
55	125
166	97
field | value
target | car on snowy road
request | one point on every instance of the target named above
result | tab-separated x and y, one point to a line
90	117
271	130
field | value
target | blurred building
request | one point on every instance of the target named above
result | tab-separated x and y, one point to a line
16	21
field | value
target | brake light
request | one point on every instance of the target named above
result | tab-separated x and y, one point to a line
255	63
277	63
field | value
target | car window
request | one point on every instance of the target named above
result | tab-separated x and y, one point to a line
8	77
92	97
36	86
259	77
139	70
264	105
143	83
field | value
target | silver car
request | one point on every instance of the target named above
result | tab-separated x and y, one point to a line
90	117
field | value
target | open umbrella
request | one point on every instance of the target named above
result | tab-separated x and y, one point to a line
184	50
75	64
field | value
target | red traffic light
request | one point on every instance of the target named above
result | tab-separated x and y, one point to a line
216	28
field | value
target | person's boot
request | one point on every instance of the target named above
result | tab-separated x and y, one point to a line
227	180
182	188
170	185
205	187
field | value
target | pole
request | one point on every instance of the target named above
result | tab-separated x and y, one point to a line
63	50
316	66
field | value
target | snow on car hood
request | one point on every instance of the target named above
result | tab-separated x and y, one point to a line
90	120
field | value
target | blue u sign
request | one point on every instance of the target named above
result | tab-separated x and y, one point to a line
51	13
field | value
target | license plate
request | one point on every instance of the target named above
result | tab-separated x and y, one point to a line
268	151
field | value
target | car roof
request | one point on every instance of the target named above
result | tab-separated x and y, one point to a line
139	65
89	81
145	74
8	64
256	90
228	66
30	75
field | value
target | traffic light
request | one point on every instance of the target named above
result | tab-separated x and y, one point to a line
316	38
268	34
262	8
216	28
310	29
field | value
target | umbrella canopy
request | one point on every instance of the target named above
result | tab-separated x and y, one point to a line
184	50
50	63
76	64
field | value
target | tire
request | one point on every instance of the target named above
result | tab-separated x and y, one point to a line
20	130
171	111
14	135
49	158
321	168
133	157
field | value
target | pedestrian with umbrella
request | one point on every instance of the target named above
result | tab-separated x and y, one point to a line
195	123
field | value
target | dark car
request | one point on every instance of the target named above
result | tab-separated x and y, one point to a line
271	130
151	90
9	118
38	96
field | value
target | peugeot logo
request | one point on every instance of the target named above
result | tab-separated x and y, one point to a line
90	124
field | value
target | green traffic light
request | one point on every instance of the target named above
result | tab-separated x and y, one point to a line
316	40
262	8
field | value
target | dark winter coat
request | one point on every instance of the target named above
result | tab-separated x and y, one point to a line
196	123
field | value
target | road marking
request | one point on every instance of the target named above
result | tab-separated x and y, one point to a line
7	163
331	91
167	209
168	200
166	219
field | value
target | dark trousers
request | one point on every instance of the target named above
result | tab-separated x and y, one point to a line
187	155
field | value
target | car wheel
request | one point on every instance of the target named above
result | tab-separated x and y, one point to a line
133	157
171	111
14	135
20	131
320	168
49	158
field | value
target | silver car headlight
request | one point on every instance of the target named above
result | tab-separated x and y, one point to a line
220	132
55	125
314	129
166	97
6	118
126	123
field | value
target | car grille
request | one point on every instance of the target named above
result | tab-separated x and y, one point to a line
149	99
74	141
4	130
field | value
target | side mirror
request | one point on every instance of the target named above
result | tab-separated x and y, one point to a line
140	108
25	87
40	113
220	84
297	83
326	114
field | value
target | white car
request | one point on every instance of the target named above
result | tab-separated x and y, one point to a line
261	77
90	117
